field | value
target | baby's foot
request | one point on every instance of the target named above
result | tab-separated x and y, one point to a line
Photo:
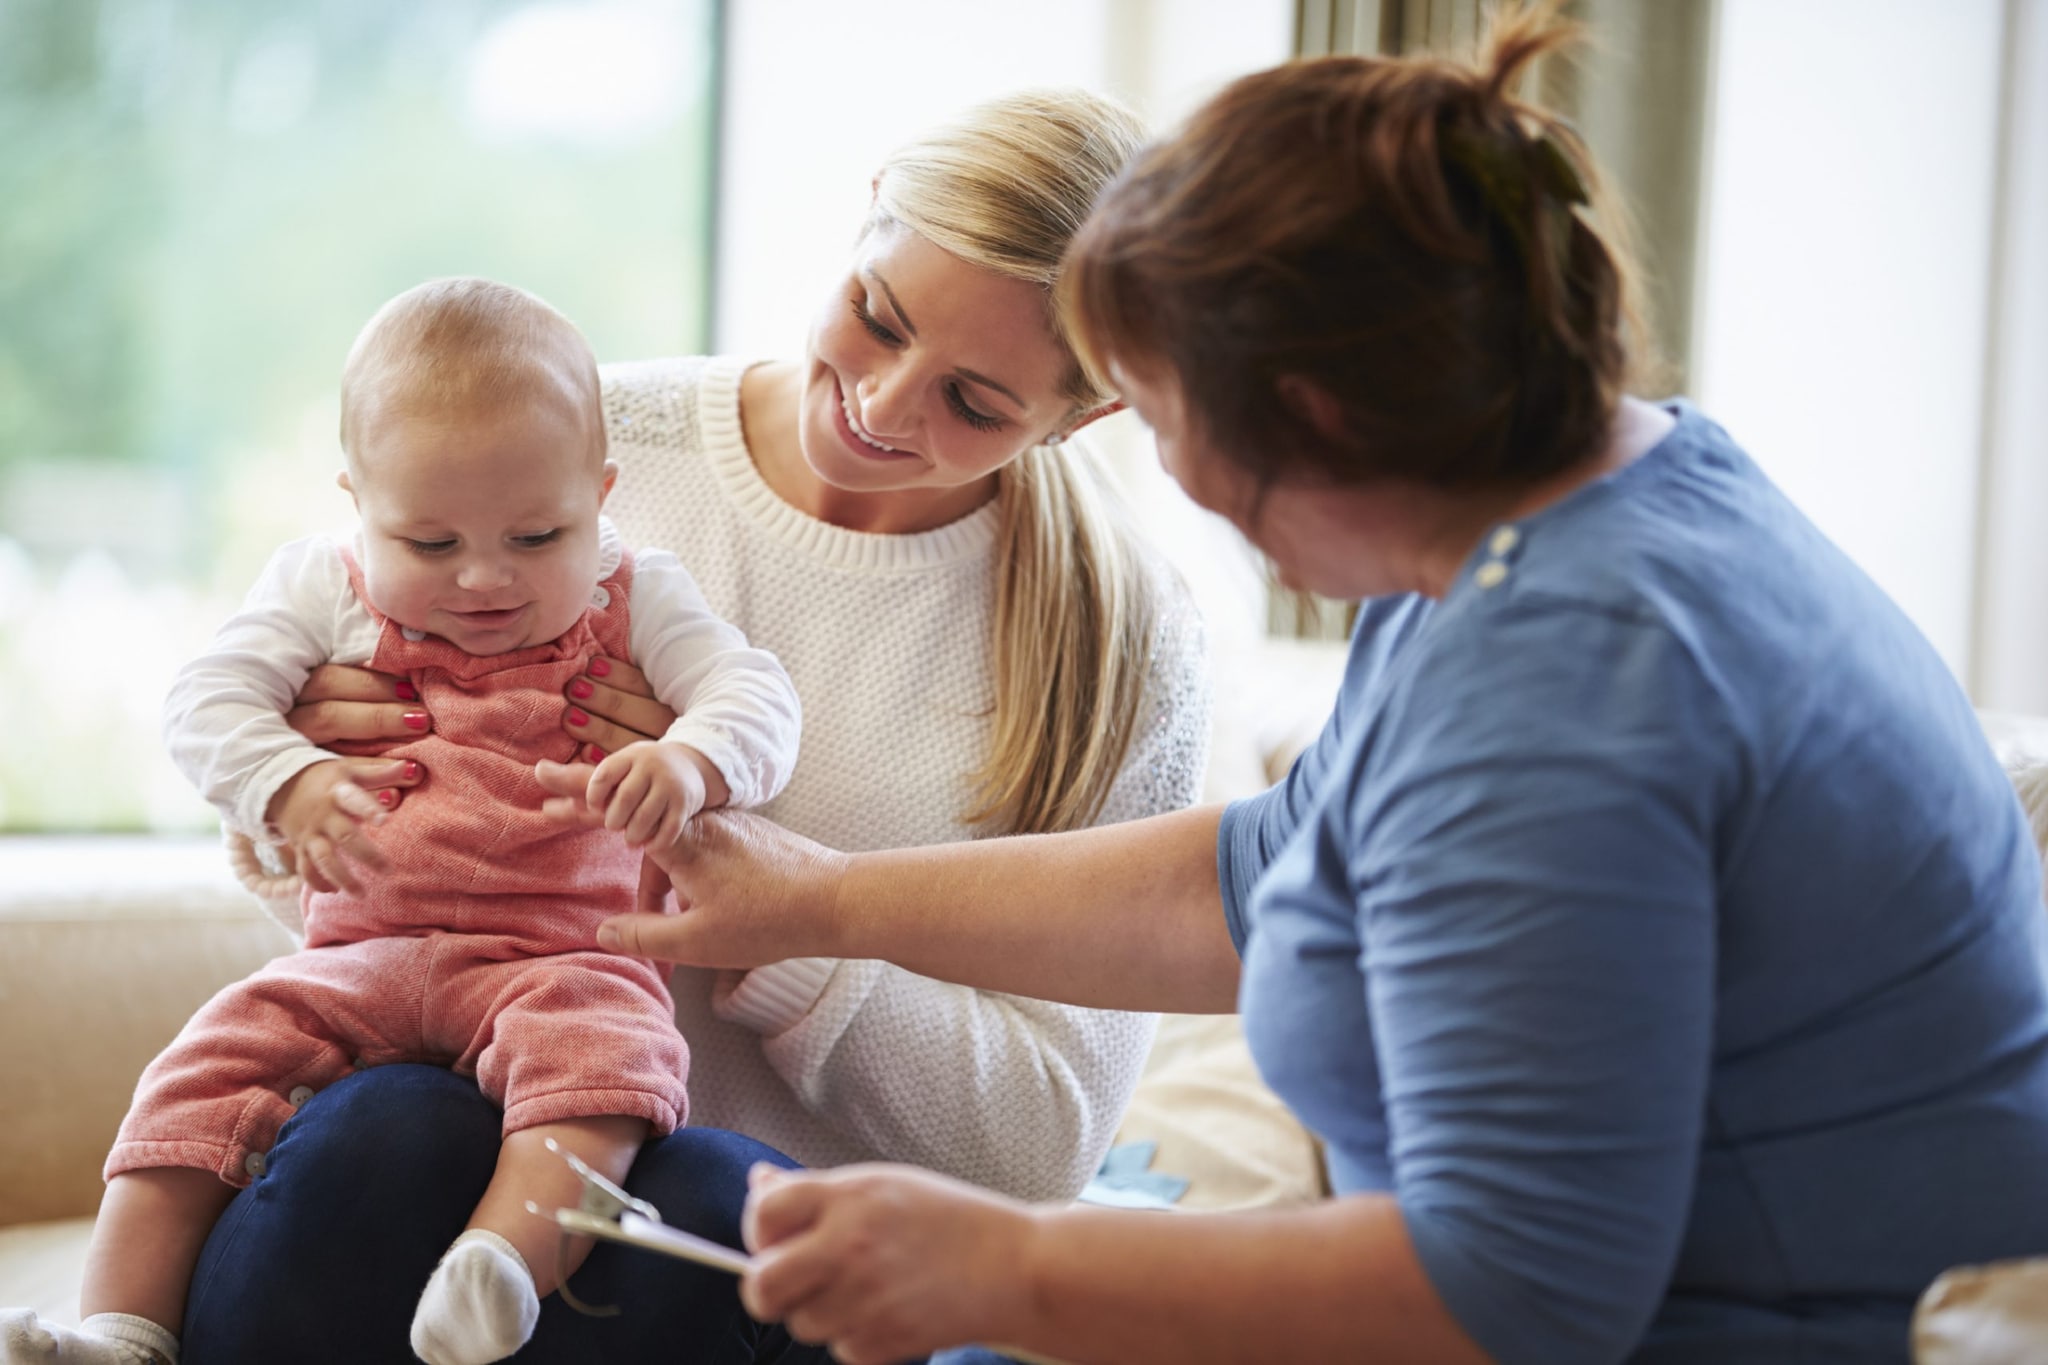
479	1306
103	1339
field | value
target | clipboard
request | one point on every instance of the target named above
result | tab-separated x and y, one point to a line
634	1229
609	1214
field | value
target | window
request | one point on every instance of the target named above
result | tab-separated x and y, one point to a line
205	200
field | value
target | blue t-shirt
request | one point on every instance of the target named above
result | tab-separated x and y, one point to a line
1654	922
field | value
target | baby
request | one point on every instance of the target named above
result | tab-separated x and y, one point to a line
460	928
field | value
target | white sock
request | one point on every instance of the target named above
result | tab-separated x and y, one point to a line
479	1306
102	1339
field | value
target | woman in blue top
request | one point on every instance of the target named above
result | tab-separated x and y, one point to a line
1651	935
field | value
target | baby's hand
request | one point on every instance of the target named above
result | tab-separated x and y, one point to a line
648	790
323	815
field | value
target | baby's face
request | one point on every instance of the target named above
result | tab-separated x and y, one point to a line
481	528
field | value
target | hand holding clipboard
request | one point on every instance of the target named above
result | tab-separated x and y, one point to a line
609	1214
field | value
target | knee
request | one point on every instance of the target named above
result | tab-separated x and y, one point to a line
365	1187
697	1177
416	1125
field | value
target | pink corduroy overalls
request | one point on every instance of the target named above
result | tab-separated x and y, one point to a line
476	949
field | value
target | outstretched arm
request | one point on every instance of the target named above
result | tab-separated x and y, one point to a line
1119	917
1123	916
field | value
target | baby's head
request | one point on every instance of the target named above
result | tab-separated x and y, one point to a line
474	434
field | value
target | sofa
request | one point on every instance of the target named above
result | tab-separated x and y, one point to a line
108	944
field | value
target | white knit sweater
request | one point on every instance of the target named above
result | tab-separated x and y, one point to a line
888	638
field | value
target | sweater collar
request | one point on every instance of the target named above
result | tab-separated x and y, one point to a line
970	538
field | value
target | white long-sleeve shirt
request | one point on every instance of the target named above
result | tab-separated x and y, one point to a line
889	639
224	719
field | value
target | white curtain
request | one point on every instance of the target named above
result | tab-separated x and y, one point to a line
2009	631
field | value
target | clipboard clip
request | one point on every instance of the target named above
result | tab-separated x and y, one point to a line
599	1208
608	1213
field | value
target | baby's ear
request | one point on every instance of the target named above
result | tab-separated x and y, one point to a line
341	481
611	476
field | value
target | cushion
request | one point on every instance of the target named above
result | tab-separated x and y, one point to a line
107	946
1215	1122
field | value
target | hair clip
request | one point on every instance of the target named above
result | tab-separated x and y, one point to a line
1505	176
1558	174
1502	174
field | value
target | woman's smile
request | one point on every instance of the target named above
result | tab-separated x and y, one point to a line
856	437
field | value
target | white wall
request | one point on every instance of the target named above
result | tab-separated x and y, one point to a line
819	91
1845	275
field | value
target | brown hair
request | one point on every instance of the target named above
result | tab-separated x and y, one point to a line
1405	235
1004	188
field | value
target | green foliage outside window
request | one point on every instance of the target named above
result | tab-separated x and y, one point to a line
204	199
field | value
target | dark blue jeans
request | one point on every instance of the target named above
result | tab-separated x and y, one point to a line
323	1258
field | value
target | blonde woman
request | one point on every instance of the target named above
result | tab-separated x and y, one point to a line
981	648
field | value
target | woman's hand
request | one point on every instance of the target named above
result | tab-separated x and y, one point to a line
885	1263
354	704
751	892
610	706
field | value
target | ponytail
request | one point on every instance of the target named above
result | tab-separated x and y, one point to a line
1005	188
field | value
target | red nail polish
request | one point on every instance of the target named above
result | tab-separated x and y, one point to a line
415	720
580	688
412	771
387	798
407	692
577	717
596	754
600	668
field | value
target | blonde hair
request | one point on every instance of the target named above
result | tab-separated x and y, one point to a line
460	344
1006	188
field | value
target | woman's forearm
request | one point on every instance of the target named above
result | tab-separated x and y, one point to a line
1125	916
1335	1281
